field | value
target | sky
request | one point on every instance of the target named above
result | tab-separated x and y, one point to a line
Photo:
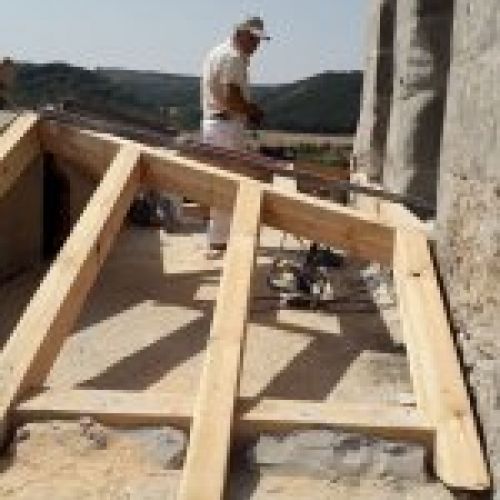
309	36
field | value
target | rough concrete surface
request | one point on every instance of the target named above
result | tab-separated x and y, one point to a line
444	133
371	138
469	205
21	223
421	63
335	454
144	328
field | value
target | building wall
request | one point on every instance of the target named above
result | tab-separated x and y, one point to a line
421	62
469	205
370	143
444	144
22	222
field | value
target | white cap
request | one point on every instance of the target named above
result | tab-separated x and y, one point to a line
255	26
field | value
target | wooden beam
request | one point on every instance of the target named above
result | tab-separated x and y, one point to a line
296	213
394	214
435	369
322	172
329	223
205	184
206	461
49	317
252	417
231	164
364	202
92	152
19	146
299	214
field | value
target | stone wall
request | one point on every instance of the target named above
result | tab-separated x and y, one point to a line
469	205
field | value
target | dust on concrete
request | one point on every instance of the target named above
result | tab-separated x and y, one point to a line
145	327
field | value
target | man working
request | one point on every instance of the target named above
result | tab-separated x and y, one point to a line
227	107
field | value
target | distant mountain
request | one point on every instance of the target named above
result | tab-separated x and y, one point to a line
325	103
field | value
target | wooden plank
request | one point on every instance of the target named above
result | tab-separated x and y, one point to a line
206	461
299	214
195	211
363	202
90	151
400	217
19	146
296	213
49	317
252	417
435	369
231	164
205	184
164	169
329	223
385	211
321	171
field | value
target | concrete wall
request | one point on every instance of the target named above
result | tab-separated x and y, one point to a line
469	205
21	216
444	143
81	189
370	143
421	62
21	223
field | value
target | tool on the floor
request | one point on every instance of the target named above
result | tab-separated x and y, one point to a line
302	279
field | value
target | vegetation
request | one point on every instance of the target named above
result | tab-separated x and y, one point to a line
325	103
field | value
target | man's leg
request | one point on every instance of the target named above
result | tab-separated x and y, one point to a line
229	135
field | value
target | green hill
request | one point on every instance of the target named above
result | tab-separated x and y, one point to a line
325	103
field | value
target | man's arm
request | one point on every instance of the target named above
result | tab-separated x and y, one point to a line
236	103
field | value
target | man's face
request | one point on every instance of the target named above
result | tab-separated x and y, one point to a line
247	42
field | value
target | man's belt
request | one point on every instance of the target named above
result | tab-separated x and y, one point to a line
220	115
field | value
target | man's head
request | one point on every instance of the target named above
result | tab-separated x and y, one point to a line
248	34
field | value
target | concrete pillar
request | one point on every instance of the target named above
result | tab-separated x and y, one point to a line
370	143
469	205
421	64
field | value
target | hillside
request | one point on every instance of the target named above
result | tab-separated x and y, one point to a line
325	103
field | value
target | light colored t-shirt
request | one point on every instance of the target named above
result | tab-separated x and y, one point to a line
223	65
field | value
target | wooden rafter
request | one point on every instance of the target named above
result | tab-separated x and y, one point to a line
436	373
89	151
37	339
328	223
19	146
362	235
207	455
387	234
251	417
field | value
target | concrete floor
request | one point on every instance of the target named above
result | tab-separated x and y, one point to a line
145	326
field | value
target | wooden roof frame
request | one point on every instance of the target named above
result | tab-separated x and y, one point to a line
442	419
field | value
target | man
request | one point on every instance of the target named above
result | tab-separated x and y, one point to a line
227	107
7	76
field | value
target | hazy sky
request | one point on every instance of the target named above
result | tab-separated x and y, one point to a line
309	36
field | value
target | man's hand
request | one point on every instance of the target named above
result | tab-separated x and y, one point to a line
236	103
255	114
